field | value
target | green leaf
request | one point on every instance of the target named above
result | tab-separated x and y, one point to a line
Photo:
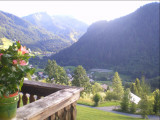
18	45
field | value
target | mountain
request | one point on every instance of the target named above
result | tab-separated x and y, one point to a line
129	44
66	27
38	39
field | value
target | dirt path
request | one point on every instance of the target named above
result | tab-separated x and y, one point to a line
110	109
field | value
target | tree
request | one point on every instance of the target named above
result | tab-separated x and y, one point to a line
56	73
111	96
50	69
138	87
96	98
96	88
108	88
127	85
134	88
144	106
80	79
156	105
117	85
61	76
125	101
145	87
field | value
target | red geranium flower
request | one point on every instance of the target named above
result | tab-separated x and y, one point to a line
23	63
14	62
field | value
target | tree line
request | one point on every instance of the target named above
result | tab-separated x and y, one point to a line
149	103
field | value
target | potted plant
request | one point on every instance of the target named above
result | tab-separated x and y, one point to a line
13	68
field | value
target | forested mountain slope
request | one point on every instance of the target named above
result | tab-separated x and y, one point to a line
38	39
129	45
66	27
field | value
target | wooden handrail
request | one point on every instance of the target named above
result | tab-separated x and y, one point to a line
60	104
42	89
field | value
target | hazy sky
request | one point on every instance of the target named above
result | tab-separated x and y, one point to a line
86	11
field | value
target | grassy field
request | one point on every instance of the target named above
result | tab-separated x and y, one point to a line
88	102
109	103
85	113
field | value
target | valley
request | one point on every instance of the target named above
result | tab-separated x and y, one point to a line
116	46
115	62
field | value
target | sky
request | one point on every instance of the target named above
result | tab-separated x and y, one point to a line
85	11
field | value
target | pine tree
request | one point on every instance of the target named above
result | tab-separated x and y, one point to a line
156	105
138	86
145	87
134	89
144	106
80	79
50	70
133	107
125	101
117	85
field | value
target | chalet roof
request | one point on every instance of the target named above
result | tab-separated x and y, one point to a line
104	86
134	98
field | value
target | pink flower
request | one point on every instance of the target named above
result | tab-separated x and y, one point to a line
14	62
23	63
1	55
23	50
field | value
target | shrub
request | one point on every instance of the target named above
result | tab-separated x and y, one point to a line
133	107
97	98
103	96
111	96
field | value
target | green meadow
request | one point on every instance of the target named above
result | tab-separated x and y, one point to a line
85	113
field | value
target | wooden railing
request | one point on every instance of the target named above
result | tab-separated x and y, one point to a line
47	102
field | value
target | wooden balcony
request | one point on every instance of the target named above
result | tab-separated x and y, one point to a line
48	102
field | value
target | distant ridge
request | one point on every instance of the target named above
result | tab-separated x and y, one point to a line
66	27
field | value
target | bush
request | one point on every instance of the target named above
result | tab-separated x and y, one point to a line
111	96
96	98
103	96
133	107
83	94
